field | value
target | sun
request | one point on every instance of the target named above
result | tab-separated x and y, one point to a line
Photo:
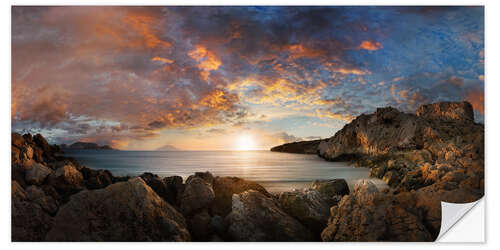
245	142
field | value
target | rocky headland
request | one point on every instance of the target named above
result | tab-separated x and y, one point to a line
85	145
300	147
432	156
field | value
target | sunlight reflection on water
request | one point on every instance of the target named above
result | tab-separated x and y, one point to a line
275	171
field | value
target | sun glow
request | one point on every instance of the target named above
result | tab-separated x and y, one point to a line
245	142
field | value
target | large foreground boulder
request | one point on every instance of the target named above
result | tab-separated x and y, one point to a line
125	211
225	187
310	207
29	220
36	173
368	215
67	180
256	217
96	179
197	195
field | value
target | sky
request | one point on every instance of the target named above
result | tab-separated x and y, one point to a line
224	78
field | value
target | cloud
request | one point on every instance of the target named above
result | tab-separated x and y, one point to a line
162	60
369	45
102	73
476	97
207	60
284	137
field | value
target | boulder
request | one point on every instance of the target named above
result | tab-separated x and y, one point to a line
331	188
29	221
124	211
392	178
365	186
17	140
308	206
375	216
428	200
206	176
37	195
256	217
159	186
225	187
175	188
42	143
36	173
200	227
96	179
18	174
15	155
197	195
218	225
67	179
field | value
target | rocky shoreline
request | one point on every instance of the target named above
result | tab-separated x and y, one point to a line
435	155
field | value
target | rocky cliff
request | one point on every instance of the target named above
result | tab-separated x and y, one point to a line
434	155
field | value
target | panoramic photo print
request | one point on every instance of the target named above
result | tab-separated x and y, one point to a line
254	123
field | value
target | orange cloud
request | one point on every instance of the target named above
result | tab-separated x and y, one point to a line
353	71
219	100
122	28
297	51
162	60
142	24
476	98
369	45
207	60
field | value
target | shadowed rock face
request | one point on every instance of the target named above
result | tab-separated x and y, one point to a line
255	217
225	187
310	207
30	222
125	211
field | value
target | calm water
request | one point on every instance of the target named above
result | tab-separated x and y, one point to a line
275	171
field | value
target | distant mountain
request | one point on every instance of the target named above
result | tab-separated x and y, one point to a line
86	145
167	148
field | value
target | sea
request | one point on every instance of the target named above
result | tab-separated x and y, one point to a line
275	171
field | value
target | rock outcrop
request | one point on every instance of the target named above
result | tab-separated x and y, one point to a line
30	222
309	206
198	194
375	216
301	147
256	217
331	188
225	187
125	211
